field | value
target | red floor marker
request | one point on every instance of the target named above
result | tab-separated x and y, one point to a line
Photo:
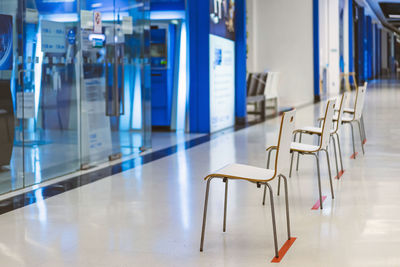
317	205
364	141
284	249
340	175
354	155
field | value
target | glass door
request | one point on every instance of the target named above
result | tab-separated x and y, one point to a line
113	81
47	89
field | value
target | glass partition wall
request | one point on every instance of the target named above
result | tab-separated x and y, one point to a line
75	91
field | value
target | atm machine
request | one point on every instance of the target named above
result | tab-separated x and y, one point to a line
6	104
162	52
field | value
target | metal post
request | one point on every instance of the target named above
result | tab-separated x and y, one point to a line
340	151
319	181
336	160
271	196
361	138
352	137
287	205
225	203
205	214
329	170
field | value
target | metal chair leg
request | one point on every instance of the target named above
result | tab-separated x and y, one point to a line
340	152
329	171
319	181
352	137
361	137
334	150
205	214
298	154
225	203
265	192
291	164
271	195
279	185
363	126
287	205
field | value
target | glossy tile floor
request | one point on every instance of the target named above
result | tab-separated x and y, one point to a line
151	215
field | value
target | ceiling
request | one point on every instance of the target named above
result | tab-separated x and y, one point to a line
391	12
387	11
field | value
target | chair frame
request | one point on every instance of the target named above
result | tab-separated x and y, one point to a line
359	121
334	136
225	178
315	154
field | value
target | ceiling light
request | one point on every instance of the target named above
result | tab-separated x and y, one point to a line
394	16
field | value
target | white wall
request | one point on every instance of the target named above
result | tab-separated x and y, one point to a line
281	39
329	44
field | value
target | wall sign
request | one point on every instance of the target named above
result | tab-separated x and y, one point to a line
222	83
97	22
87	19
53	37
25	105
222	64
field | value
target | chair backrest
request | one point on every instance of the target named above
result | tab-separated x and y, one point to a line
253	84
262	83
268	86
342	103
249	78
284	140
327	123
359	105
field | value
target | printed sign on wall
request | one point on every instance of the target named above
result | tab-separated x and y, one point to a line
97	22
222	83
53	37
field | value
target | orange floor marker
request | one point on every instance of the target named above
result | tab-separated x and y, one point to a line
318	204
284	249
364	141
354	155
340	174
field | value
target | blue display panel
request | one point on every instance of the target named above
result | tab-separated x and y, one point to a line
6	42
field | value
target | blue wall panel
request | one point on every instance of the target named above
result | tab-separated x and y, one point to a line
316	48
241	60
351	39
199	76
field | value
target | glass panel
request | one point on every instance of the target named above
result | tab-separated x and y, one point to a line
11	152
49	87
114	83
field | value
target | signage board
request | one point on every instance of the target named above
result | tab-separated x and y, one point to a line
222	83
53	37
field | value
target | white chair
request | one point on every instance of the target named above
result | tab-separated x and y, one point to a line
334	133
357	117
259	176
306	149
352	110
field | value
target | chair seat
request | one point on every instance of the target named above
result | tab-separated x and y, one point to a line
244	172
306	148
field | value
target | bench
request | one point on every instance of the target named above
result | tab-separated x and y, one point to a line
261	88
